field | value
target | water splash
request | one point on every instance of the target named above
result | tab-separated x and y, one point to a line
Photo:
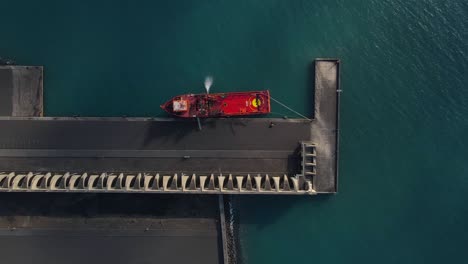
208	83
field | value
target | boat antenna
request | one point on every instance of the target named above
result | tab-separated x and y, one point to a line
290	109
208	83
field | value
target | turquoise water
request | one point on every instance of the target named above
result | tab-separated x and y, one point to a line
403	173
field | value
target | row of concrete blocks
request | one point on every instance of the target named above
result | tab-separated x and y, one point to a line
147	182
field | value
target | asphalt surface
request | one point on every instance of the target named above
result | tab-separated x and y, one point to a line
116	228
163	145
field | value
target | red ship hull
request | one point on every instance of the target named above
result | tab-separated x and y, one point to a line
219	104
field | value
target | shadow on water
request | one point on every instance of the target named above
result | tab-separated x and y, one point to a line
262	212
310	84
272	207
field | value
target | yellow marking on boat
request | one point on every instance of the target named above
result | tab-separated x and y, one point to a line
256	102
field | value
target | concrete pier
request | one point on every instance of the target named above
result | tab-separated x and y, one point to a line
21	90
53	172
229	155
325	127
109	228
142	155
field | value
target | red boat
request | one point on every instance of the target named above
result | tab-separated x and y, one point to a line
219	104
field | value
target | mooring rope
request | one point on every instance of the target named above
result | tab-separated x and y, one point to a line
290	109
